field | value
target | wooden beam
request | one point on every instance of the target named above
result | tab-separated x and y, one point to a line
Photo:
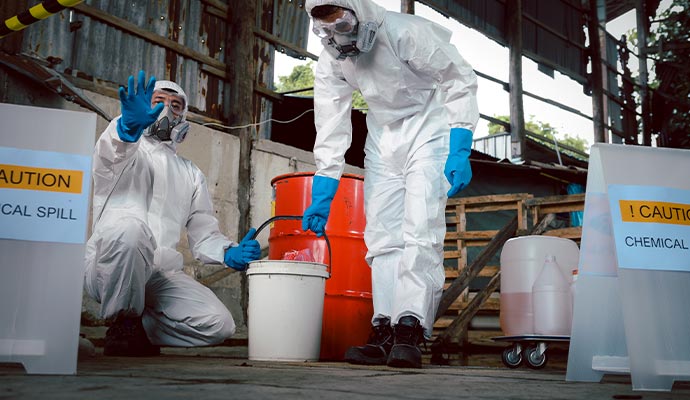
459	325
557	199
240	91
218	5
275	40
469	273
270	94
492	198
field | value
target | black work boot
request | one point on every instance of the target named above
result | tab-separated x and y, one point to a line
126	337
375	352
405	353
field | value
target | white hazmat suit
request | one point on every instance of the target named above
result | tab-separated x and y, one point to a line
417	87
144	194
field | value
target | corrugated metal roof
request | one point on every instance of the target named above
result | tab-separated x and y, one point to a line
559	43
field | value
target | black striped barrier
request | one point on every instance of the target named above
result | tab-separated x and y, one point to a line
36	13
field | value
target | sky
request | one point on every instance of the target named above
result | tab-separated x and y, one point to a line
490	58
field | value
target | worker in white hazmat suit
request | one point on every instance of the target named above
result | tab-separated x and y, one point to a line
144	195
422	112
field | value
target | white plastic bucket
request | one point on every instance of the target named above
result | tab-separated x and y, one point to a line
285	309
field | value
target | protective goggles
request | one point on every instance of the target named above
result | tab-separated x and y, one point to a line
343	25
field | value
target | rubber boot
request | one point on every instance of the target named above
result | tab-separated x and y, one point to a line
127	337
375	352
405	353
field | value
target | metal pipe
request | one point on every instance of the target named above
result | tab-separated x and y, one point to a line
34	14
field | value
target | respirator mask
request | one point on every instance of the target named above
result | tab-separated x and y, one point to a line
168	126
345	37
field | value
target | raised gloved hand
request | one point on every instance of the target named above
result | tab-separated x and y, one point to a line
137	113
322	193
458	170
248	250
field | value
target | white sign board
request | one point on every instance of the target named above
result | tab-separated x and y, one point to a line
631	299
651	226
44	196
45	177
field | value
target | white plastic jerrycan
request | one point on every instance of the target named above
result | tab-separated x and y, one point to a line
552	300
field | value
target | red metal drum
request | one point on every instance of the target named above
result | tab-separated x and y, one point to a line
348	306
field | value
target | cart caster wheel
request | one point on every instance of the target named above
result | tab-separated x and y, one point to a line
534	360
512	357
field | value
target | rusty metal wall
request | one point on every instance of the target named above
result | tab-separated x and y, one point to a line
107	53
291	23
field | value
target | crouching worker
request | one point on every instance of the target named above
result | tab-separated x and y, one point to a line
144	194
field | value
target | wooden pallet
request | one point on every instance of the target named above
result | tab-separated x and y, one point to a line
531	216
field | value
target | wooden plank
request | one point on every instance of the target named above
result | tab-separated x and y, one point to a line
487	271
267	92
471	235
214	11
490	207
555	208
568	233
213	71
451	254
540	228
217	4
456	328
559	199
494	198
462	282
490	305
276	40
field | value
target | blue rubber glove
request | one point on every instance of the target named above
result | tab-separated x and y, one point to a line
322	193
458	170
248	250
137	113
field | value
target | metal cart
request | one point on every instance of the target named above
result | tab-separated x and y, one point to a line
527	348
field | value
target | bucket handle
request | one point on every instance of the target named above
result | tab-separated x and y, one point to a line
296	217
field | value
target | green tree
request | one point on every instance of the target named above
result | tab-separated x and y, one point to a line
671	99
543	129
302	77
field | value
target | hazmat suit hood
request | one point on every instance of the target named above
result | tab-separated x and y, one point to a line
169	131
369	16
172	86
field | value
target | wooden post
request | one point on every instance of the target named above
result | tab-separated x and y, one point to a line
596	76
642	35
517	114
238	99
263	107
407	6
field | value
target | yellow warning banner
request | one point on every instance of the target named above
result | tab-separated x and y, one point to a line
47	179
655	211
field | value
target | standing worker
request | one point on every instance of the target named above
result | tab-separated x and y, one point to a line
144	195
422	112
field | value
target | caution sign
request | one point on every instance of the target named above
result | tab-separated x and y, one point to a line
50	180
651	227
44	196
655	211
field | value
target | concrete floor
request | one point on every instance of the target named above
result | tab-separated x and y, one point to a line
224	372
